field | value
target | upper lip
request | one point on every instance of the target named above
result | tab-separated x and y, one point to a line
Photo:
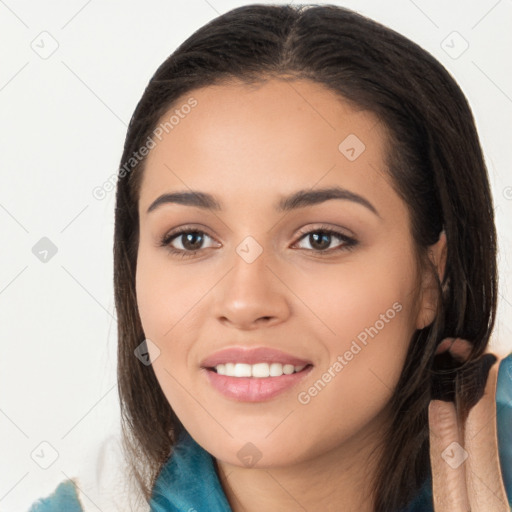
251	356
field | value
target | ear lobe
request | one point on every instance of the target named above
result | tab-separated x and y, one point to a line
429	291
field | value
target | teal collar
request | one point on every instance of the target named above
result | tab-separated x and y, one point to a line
188	481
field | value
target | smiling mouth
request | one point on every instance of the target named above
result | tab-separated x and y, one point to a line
258	370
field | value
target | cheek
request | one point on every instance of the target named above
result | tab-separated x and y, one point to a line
371	315
362	296
368	309
154	298
165	302
165	297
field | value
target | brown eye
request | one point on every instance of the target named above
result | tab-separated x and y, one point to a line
191	241
186	242
320	240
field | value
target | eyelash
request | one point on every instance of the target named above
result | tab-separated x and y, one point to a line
348	245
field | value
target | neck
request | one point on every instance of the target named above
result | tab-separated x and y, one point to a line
341	478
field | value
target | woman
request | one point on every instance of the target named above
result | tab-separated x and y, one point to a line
305	276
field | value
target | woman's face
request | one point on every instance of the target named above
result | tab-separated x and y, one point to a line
259	288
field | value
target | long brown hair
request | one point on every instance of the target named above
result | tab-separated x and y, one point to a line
435	164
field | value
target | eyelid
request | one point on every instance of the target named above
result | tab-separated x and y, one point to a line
175	233
186	228
328	228
348	241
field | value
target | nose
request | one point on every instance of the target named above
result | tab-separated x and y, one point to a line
251	295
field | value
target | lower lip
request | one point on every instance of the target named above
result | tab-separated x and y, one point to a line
252	389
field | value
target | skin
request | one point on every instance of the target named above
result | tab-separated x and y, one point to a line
249	147
475	484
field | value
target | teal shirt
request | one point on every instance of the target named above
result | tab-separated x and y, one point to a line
188	480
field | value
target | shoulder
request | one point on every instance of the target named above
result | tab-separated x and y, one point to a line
65	497
103	482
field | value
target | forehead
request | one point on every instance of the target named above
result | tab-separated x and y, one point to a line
273	136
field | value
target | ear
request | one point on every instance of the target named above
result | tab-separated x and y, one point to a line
429	292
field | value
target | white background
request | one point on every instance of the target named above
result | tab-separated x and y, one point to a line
63	122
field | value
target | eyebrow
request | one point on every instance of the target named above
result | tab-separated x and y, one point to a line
299	199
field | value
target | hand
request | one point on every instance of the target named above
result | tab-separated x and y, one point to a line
466	474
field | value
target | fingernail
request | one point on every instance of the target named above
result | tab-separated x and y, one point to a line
445	345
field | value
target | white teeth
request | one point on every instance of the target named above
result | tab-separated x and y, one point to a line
288	369
276	370
242	370
258	370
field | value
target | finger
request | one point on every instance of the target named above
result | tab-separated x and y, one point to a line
484	482
461	349
444	345
458	348
447	459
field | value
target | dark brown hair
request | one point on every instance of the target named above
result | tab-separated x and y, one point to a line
434	162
